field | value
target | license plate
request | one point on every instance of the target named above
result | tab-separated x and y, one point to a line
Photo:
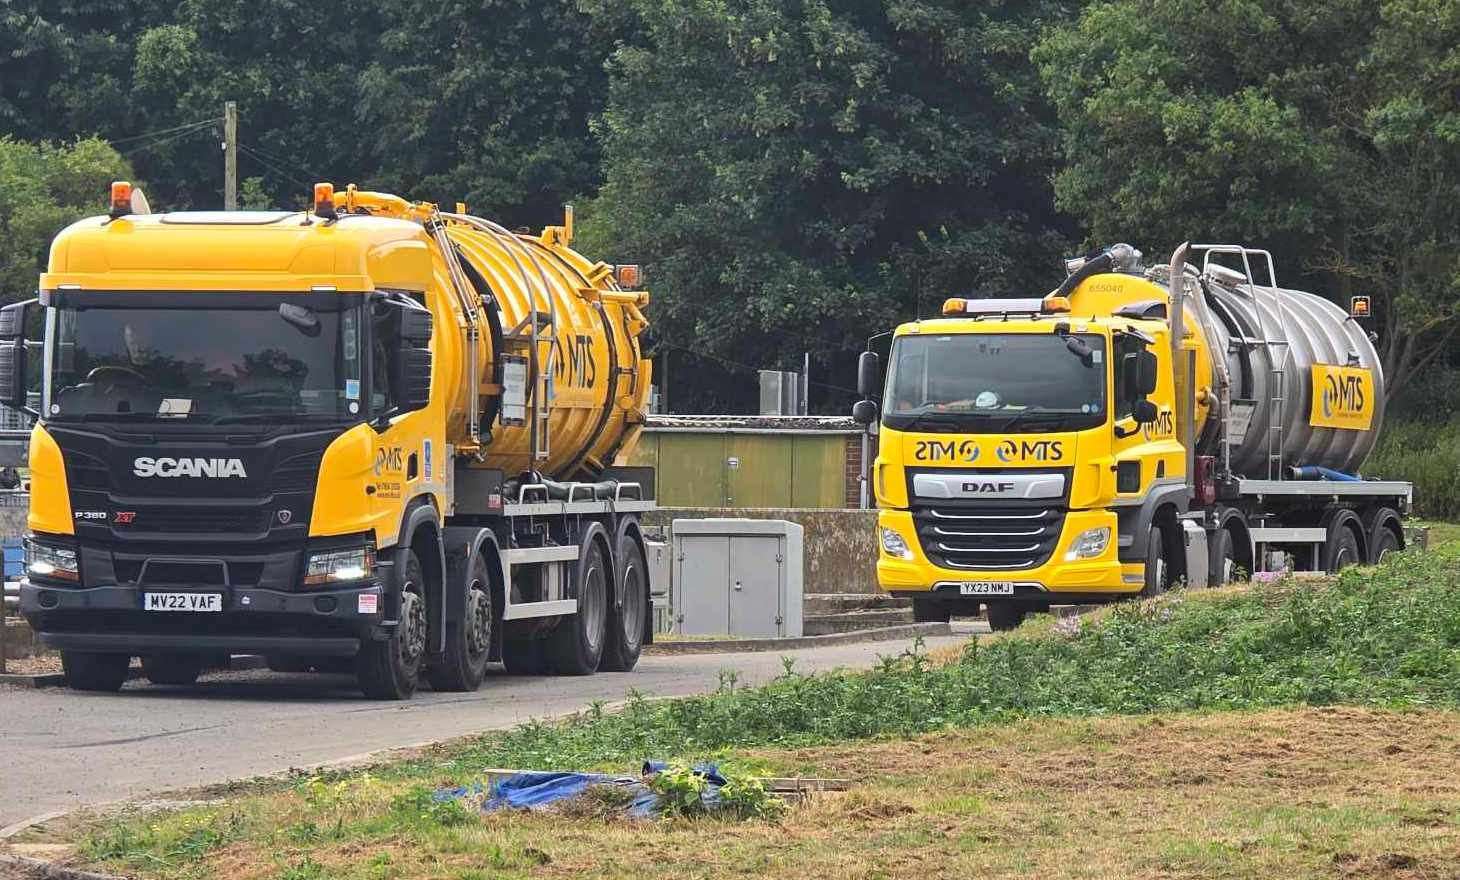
182	601
986	588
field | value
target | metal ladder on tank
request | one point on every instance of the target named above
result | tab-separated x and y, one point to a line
528	333
1274	341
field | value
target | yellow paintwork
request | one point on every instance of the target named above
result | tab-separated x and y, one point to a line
1343	397
50	500
382	242
1091	454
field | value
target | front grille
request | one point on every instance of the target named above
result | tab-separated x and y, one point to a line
989	538
201	520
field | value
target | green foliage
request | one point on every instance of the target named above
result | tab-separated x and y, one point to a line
681	790
745	795
44	188
802	175
1427	455
1327	130
1381	636
419	805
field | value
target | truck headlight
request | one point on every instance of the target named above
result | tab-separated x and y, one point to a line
331	566
894	545
1089	544
53	563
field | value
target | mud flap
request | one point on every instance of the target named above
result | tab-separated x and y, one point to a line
1194	544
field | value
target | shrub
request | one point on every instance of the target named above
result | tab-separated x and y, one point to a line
1427	455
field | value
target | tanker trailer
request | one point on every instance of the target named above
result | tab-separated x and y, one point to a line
373	436
1110	439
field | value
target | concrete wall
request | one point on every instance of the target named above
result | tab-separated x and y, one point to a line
840	545
12	515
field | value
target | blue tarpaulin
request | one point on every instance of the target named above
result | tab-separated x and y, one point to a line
535	790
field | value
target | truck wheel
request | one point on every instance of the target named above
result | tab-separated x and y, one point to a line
1384	543
468	641
1226	557
1341	551
389	670
1004	616
626	621
576	646
524	656
928	609
172	668
86	671
1158	564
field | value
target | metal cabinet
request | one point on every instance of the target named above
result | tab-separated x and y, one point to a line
738	577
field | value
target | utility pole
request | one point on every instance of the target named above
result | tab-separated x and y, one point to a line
230	156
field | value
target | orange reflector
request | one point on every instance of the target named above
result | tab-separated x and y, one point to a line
1358	307
1056	304
121	198
628	276
954	306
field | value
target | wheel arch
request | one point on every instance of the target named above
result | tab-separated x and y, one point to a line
421	531
1232	520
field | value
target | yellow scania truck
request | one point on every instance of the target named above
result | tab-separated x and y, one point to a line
1133	429
374	435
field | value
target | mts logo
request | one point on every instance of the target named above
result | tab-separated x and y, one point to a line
1030	450
1163	426
1343	395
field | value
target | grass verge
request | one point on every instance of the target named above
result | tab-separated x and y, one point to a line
1010	759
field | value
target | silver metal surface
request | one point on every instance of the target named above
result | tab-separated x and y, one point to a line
1271	338
1321	488
1289	535
971	484
738	577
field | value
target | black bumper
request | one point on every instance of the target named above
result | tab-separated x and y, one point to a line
110	619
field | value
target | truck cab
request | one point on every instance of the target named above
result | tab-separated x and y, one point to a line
1015	439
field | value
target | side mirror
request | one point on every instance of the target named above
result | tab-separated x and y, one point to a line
869	376
864	412
13	354
1145	378
413	364
1144	412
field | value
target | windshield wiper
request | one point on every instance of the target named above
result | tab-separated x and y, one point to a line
114	417
284	418
941	419
1039	412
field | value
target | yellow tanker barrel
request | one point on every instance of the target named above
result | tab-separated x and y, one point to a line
593	380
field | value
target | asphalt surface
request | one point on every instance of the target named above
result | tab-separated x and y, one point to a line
61	749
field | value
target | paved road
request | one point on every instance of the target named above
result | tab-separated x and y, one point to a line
60	750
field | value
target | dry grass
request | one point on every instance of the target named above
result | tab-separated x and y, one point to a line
1305	793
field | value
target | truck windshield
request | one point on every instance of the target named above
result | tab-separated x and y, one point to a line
277	362
995	383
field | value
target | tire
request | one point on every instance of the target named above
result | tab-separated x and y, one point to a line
928	609
469	640
85	671
576	646
1004	616
629	616
1158	564
1226	557
525	656
1341	551
389	669
182	669
1384	542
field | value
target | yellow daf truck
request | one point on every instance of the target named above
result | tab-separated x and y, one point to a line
1133	429
375	436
